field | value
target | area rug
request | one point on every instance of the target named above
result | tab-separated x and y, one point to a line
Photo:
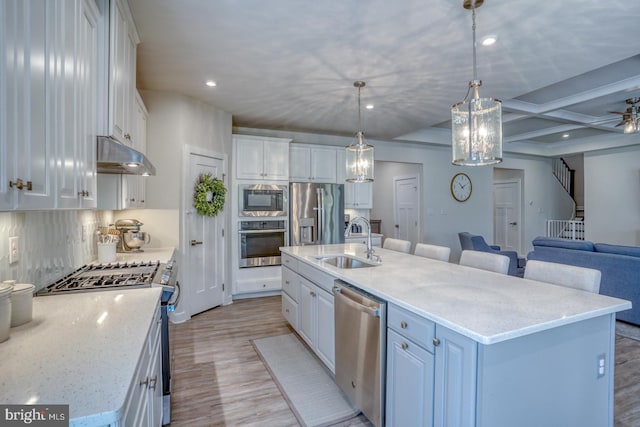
627	330
308	387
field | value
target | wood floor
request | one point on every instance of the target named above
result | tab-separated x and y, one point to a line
218	379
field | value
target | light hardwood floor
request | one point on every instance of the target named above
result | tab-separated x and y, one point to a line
218	379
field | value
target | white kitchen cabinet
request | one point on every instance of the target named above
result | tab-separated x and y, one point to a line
261	158
144	401
123	39
358	196
312	164
313	304
72	90
48	97
409	383
455	379
431	373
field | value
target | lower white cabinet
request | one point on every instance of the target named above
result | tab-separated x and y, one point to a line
144	403
308	307
431	373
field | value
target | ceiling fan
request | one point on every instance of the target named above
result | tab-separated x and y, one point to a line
631	117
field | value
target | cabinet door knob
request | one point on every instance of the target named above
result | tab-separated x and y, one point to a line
127	136
403	324
154	381
313	294
144	382
436	342
404	345
17	183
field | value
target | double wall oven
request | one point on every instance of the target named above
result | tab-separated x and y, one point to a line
131	275
262	225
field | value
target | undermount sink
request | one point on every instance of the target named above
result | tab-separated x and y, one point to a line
345	261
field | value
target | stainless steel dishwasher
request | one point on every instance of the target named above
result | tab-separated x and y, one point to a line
360	324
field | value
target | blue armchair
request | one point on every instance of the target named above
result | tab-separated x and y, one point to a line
474	242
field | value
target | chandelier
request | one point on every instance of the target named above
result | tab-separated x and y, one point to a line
359	154
476	123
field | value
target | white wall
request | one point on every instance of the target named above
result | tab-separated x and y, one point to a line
612	196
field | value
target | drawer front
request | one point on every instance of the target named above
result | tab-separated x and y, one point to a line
290	283
412	326
289	262
290	311
257	285
320	278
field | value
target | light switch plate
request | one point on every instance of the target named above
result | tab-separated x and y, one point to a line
14	249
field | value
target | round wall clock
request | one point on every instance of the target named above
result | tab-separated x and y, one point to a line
461	187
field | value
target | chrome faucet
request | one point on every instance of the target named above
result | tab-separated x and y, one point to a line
370	253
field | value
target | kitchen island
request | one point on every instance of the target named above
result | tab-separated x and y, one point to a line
85	350
473	348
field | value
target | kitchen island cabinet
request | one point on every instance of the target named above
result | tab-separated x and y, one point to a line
493	349
98	354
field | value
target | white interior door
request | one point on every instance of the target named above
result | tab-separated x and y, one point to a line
507	218
205	256
406	208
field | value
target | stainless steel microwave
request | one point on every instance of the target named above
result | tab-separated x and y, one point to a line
263	200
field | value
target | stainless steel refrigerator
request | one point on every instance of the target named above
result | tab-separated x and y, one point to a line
316	213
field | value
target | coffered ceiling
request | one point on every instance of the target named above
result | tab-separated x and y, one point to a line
560	67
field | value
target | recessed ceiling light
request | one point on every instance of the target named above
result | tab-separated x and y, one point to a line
489	40
210	83
369	107
565	135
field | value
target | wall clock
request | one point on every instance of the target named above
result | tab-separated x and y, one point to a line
461	187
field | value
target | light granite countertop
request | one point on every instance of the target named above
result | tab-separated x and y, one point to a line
80	349
484	306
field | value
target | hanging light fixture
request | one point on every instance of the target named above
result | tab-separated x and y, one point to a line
631	116
476	123
359	154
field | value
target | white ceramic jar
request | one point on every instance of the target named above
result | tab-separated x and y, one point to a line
21	304
5	311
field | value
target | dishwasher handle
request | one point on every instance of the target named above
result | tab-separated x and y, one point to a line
347	296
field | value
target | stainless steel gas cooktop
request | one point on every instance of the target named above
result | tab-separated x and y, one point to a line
95	277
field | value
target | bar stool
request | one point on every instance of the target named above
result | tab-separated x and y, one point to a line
397	245
485	261
571	276
441	253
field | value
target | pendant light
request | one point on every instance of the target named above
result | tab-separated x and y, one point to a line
359	154
476	123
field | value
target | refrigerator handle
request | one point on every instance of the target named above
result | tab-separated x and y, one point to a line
320	210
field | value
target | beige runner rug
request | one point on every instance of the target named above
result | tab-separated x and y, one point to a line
308	387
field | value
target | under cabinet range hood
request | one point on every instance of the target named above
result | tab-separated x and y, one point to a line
116	158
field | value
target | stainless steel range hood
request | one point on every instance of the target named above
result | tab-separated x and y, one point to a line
116	158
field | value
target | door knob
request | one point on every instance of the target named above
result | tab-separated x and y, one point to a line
397	226
195	242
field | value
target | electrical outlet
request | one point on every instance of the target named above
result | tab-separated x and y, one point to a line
14	249
601	366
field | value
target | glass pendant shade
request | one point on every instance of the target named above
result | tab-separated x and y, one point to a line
476	132
359	161
629	126
476	123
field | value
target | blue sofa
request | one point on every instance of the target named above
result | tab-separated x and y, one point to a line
619	265
474	242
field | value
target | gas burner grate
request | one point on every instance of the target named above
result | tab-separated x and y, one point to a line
106	276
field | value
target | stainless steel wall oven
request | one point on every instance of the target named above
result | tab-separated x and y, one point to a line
260	242
263	200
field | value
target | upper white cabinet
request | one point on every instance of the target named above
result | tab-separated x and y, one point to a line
123	39
47	146
312	164
261	158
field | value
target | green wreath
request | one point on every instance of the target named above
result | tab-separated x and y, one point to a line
208	195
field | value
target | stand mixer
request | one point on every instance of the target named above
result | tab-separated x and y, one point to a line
132	239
